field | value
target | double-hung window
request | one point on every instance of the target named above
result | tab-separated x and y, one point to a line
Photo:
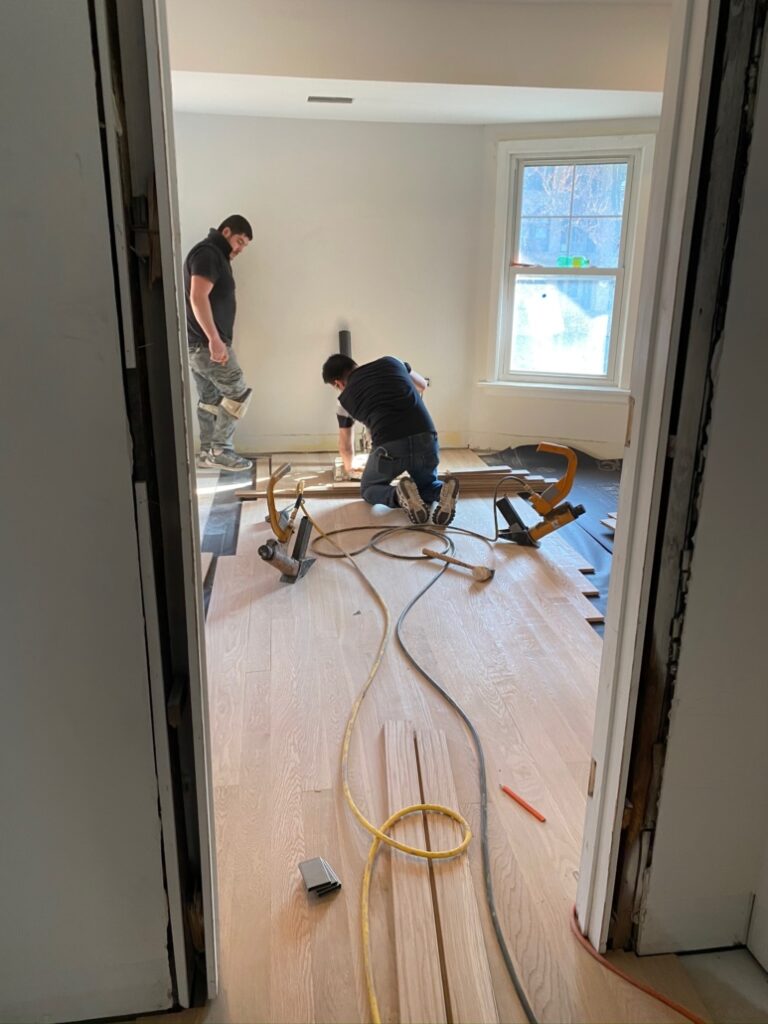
573	212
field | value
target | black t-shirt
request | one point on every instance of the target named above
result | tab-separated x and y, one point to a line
382	395
210	259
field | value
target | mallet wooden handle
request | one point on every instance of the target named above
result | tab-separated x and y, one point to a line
480	572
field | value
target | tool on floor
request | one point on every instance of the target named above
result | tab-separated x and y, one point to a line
555	512
481	573
523	803
275	552
319	877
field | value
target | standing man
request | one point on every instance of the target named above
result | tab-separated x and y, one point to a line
385	395
223	395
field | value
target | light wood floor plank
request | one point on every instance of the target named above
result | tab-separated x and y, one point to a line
332	938
419	982
291	968
468	976
227	643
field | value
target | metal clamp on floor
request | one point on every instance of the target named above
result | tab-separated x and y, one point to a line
319	877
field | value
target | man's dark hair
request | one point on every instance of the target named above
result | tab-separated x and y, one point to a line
337	367
238	225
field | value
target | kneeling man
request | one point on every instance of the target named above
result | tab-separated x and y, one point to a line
385	396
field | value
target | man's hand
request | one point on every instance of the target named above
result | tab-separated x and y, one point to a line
419	382
199	298
218	351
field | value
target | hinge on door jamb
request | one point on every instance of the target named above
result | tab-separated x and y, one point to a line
630	416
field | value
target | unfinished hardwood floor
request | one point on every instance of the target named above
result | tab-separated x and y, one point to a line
284	665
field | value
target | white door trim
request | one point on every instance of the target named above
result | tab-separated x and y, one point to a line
676	162
159	81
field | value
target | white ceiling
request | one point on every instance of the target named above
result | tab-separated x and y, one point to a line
426	103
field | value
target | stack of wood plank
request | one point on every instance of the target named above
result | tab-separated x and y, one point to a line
485	480
476	478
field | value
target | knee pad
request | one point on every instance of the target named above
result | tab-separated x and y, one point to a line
212	409
237	407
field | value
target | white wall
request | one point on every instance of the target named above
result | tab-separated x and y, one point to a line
712	830
388	230
553	45
83	912
367	226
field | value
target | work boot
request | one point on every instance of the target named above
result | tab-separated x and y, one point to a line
228	460
201	459
409	499
445	509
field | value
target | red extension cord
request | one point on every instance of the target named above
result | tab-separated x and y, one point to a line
677	1007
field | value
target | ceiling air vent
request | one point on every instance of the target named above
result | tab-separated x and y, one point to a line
329	99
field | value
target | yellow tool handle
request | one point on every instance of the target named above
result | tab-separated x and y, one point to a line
553	522
544	503
282	533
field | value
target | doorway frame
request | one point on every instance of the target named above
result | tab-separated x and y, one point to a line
158	77
665	264
677	157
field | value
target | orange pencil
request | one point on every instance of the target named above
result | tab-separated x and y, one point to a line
523	803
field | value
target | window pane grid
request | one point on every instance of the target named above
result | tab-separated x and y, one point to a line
550	229
563	306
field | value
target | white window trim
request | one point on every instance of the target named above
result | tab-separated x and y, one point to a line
565	392
508	153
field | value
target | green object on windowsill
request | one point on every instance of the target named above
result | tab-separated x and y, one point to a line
572	261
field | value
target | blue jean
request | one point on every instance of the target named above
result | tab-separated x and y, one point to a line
417	455
215	382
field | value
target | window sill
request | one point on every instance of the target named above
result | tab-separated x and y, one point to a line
559	392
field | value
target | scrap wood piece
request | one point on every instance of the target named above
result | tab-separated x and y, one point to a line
467	971
419	980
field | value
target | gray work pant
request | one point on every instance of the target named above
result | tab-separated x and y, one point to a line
215	382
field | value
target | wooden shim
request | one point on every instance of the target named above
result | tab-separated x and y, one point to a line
419	981
468	975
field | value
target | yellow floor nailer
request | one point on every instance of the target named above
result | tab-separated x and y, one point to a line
555	512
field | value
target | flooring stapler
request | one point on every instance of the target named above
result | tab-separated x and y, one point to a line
551	506
275	552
